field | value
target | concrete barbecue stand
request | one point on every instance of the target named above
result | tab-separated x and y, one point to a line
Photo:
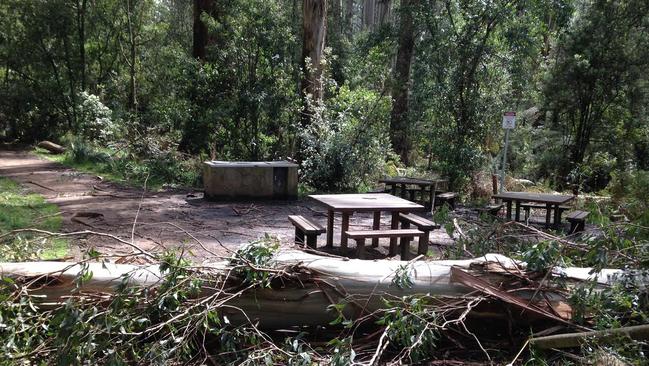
242	180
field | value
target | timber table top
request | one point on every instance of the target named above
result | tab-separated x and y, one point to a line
366	202
557	199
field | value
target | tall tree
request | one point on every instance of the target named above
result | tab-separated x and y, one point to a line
369	10
399	119
383	11
81	9
314	30
349	18
201	34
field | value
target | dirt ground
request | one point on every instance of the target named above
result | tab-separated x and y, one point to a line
171	218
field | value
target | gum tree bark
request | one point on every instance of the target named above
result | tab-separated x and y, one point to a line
383	13
307	301
369	8
349	16
399	119
314	30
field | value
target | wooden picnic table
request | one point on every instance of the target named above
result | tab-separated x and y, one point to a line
551	201
348	204
423	184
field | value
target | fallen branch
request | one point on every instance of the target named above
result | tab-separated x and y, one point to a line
79	233
569	340
42	186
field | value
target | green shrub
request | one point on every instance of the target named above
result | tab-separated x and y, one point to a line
346	145
631	191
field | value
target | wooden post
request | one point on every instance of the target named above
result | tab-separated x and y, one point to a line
557	216
509	210
423	243
360	248
343	230
299	236
376	225
394	226
312	241
405	241
405	249
494	186
330	229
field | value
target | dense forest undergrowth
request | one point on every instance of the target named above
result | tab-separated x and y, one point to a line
146	90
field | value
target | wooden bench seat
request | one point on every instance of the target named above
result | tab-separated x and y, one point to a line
361	235
305	227
446	197
577	220
422	224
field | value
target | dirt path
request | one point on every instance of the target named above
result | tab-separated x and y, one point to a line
165	219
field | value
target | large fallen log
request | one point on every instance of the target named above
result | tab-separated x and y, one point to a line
51	147
305	301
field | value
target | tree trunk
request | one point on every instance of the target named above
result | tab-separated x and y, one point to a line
81	33
201	36
349	18
306	302
369	9
399	119
132	91
383	11
314	29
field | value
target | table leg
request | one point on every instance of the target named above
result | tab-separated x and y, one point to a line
394	226
422	193
403	191
548	215
376	225
557	216
433	192
330	229
393	189
360	248
343	230
518	211
509	210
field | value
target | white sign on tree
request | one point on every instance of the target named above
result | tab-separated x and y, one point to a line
509	120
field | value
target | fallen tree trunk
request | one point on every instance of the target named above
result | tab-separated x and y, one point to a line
51	147
303	300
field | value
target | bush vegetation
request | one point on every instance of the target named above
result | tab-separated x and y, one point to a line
575	70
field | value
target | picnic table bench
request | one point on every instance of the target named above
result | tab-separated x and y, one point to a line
552	203
360	235
305	227
425	187
577	220
422	224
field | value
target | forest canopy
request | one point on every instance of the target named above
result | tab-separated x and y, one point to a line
350	88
